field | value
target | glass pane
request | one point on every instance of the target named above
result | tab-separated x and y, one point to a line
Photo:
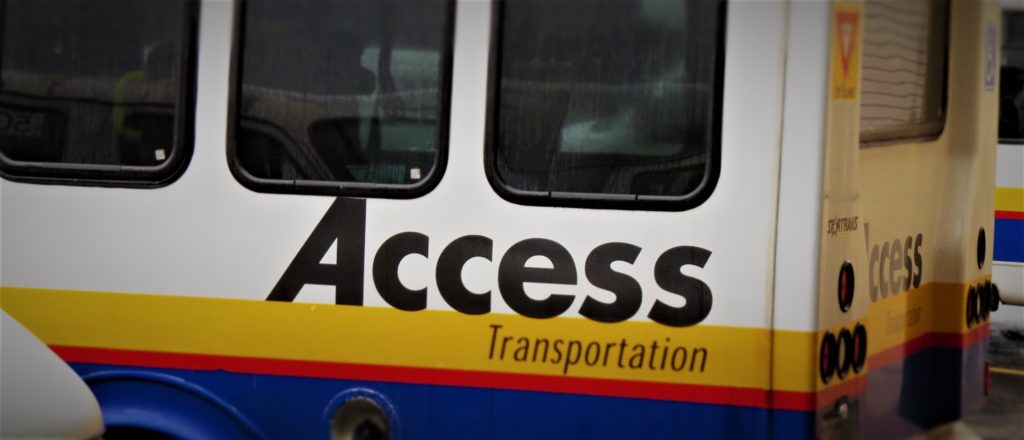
607	96
91	82
903	75
342	90
1011	86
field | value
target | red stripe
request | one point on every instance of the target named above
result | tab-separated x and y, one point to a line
750	397
792	400
928	340
736	396
1012	215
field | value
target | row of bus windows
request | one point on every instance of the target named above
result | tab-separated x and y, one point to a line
614	100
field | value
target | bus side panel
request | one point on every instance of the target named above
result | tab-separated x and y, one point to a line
172	284
429	411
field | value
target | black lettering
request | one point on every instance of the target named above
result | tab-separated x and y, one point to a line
872	260
494	337
907	264
895	261
569	358
637	359
522	351
654	352
449	274
871	272
597	353
344	222
622	351
675	357
664	353
628	294
668	275
504	343
536	349
703	360
918	260
558	351
513	273
881	271
385	271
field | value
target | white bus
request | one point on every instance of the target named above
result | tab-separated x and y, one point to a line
505	219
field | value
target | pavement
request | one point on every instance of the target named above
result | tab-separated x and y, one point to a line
1002	417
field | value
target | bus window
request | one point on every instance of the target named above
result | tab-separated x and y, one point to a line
95	91
903	77
606	103
1011	86
354	92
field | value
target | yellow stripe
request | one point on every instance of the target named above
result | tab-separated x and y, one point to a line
794	366
736	356
931	308
1009	199
1009	371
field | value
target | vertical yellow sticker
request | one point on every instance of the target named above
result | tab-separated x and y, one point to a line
846	28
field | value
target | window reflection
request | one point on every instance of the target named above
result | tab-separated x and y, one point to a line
353	89
606	96
91	83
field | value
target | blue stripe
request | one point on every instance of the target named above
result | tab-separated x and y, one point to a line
1009	240
927	389
235	405
902	399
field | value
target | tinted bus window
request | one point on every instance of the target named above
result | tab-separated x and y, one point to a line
95	90
607	102
342	96
903	77
1011	86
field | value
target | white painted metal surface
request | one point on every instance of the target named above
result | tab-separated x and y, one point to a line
215	238
40	396
801	174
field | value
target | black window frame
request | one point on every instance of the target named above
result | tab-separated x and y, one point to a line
1003	17
128	176
603	200
904	135
340	188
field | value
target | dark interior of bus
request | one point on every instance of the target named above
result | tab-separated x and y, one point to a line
90	83
606	97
